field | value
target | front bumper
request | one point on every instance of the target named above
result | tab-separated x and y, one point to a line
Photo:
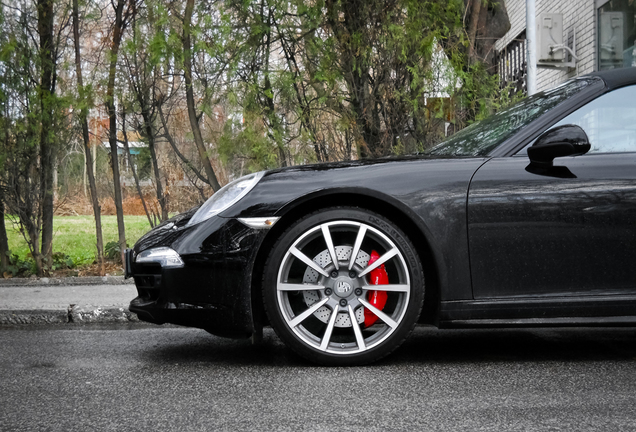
211	291
129	257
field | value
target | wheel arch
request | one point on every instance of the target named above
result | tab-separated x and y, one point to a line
366	199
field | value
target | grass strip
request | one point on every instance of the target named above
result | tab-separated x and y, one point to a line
75	235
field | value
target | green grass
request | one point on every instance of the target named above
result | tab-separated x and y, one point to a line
75	235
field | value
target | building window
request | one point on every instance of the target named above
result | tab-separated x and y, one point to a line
616	34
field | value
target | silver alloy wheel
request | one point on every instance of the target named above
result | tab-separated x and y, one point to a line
325	311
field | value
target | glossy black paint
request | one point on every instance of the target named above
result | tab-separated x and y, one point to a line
553	236
219	253
501	244
561	141
209	292
433	198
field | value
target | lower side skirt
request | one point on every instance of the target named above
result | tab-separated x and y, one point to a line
622	321
599	310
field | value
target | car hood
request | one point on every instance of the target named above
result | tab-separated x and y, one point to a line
401	179
326	166
404	182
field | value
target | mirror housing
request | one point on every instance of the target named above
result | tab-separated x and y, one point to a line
566	140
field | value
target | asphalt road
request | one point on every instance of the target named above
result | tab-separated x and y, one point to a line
67	378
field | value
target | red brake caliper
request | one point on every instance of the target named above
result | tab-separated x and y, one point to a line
377	276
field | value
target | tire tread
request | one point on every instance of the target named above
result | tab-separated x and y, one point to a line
365	358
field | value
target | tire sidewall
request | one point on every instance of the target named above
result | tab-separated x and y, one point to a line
272	266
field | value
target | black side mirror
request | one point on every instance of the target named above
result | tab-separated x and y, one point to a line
566	140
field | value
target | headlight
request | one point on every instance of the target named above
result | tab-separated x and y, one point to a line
225	197
163	255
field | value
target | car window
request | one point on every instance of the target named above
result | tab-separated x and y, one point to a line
609	121
481	138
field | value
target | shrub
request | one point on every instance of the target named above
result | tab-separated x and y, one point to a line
62	261
20	267
112	251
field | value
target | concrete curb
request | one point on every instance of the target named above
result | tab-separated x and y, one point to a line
73	315
84	280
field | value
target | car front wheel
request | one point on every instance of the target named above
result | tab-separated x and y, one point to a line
343	286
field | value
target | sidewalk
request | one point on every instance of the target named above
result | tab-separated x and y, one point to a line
67	300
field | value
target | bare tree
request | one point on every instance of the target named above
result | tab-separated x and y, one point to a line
123	12
4	241
486	22
142	79
133	169
34	117
46	91
83	118
192	115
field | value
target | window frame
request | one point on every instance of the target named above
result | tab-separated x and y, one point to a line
522	152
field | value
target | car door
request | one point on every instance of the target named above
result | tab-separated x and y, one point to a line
568	235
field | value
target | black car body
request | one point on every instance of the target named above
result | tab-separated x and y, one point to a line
483	235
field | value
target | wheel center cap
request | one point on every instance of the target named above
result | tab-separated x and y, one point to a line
343	289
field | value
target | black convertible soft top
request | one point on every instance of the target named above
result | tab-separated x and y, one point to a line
616	78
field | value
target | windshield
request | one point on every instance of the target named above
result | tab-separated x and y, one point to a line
482	137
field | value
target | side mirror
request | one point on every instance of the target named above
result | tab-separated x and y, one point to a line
566	140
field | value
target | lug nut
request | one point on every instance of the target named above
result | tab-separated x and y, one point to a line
334	274
343	302
358	291
352	274
328	291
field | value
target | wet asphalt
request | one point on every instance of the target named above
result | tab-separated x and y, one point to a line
141	377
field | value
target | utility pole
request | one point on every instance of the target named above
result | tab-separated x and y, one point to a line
531	47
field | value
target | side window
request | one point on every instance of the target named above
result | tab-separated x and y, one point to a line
609	121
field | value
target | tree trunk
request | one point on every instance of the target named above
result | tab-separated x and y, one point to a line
356	72
112	116
484	27
45	31
187	72
168	136
275	132
472	31
142	87
134	171
150	136
88	168
4	242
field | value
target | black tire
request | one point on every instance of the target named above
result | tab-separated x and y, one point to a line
303	286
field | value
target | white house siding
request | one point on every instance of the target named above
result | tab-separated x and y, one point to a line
579	14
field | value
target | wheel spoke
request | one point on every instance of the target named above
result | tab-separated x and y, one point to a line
332	251
303	316
384	258
304	258
315	310
389	288
298	287
332	323
356	247
356	329
377	312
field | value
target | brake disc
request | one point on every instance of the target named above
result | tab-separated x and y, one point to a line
323	259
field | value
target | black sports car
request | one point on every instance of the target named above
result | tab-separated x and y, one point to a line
527	218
